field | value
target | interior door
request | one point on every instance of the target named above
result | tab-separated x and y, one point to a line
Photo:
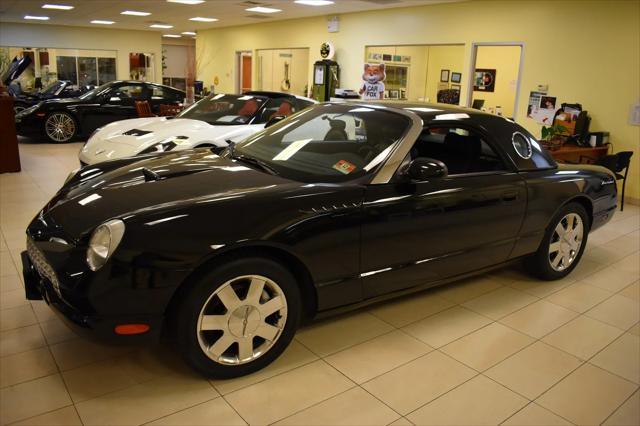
245	82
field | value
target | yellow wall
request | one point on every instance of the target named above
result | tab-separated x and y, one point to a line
443	58
506	61
586	51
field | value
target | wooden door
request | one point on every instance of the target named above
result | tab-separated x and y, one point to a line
246	74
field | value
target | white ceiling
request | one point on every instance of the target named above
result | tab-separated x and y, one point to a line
229	12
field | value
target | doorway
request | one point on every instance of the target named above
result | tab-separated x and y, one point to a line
283	70
494	77
244	66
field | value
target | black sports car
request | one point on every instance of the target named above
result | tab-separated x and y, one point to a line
59	89
62	120
337	206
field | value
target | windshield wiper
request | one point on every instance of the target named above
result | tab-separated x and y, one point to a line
255	162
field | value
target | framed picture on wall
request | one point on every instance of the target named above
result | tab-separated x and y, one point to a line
455	87
444	76
442	86
484	80
386	57
456	77
394	94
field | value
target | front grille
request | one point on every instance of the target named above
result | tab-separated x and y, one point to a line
42	266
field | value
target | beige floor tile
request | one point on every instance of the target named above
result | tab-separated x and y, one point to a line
214	412
12	299
617	310
446	326
66	416
579	297
334	334
418	382
43	311
147	401
377	356
632	291
26	366
587	396
635	330
468	289
628	414
630	263
612	278
480	401
294	356
353	407
583	337
621	357
402	421
96	379
55	331
535	415
534	369
500	302
75	353
20	340
6	264
488	346
288	393
20	316
539	318
10	283
32	398
410	308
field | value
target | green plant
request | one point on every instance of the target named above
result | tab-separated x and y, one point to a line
549	133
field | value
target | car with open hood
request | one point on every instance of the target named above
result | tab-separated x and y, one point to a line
337	206
211	122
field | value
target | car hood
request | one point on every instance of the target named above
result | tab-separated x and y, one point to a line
151	186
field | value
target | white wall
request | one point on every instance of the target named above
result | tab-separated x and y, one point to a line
63	37
176	60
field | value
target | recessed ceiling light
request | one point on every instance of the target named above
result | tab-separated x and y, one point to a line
37	18
135	13
171	35
261	9
57	6
314	2
160	26
191	33
201	19
101	22
186	1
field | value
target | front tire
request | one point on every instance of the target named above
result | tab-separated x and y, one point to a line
60	127
238	317
563	244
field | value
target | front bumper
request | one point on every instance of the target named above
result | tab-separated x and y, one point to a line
29	126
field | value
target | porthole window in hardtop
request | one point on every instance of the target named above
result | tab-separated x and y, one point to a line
522	145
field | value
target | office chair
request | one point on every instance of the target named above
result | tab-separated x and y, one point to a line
618	163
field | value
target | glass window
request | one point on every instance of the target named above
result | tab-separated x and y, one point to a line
130	92
87	72
277	107
461	150
106	70
328	143
224	109
67	68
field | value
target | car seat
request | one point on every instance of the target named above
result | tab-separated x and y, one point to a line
249	108
337	131
285	109
460	152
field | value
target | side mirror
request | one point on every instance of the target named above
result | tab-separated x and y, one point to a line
423	168
273	120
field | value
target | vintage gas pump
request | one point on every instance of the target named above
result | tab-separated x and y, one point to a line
326	73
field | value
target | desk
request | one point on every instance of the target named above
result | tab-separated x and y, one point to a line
578	154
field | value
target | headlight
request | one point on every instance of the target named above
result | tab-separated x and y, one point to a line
29	110
159	147
103	243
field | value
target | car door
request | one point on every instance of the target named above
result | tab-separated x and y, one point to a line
415	233
117	104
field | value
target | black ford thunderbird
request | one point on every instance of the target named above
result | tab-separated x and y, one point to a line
334	207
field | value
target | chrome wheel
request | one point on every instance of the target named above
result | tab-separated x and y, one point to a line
60	127
242	320
566	241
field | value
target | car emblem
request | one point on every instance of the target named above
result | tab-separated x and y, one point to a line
100	151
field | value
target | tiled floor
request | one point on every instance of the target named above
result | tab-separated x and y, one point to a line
499	348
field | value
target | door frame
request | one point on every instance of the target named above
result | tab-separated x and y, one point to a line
472	67
239	55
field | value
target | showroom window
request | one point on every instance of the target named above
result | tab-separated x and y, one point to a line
106	70
87	72
67	68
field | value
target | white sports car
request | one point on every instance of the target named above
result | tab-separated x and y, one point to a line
212	121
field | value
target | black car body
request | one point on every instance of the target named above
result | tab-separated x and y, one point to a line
62	120
351	238
59	89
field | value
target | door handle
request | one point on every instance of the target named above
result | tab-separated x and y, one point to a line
509	196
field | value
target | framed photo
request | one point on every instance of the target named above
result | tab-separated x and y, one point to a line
444	76
403	93
386	94
455	87
484	80
442	86
394	94
386	57
456	77
397	58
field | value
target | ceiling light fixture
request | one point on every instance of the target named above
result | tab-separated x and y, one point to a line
314	2
135	13
163	26
261	9
186	1
37	18
57	6
101	22
201	19
191	33
171	35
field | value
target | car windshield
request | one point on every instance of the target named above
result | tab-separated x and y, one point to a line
52	88
225	109
94	92
326	143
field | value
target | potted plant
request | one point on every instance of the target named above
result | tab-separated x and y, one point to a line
552	135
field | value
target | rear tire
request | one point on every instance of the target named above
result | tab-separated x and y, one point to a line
562	245
60	127
238	317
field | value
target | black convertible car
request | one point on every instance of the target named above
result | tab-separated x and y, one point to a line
62	120
337	206
57	90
